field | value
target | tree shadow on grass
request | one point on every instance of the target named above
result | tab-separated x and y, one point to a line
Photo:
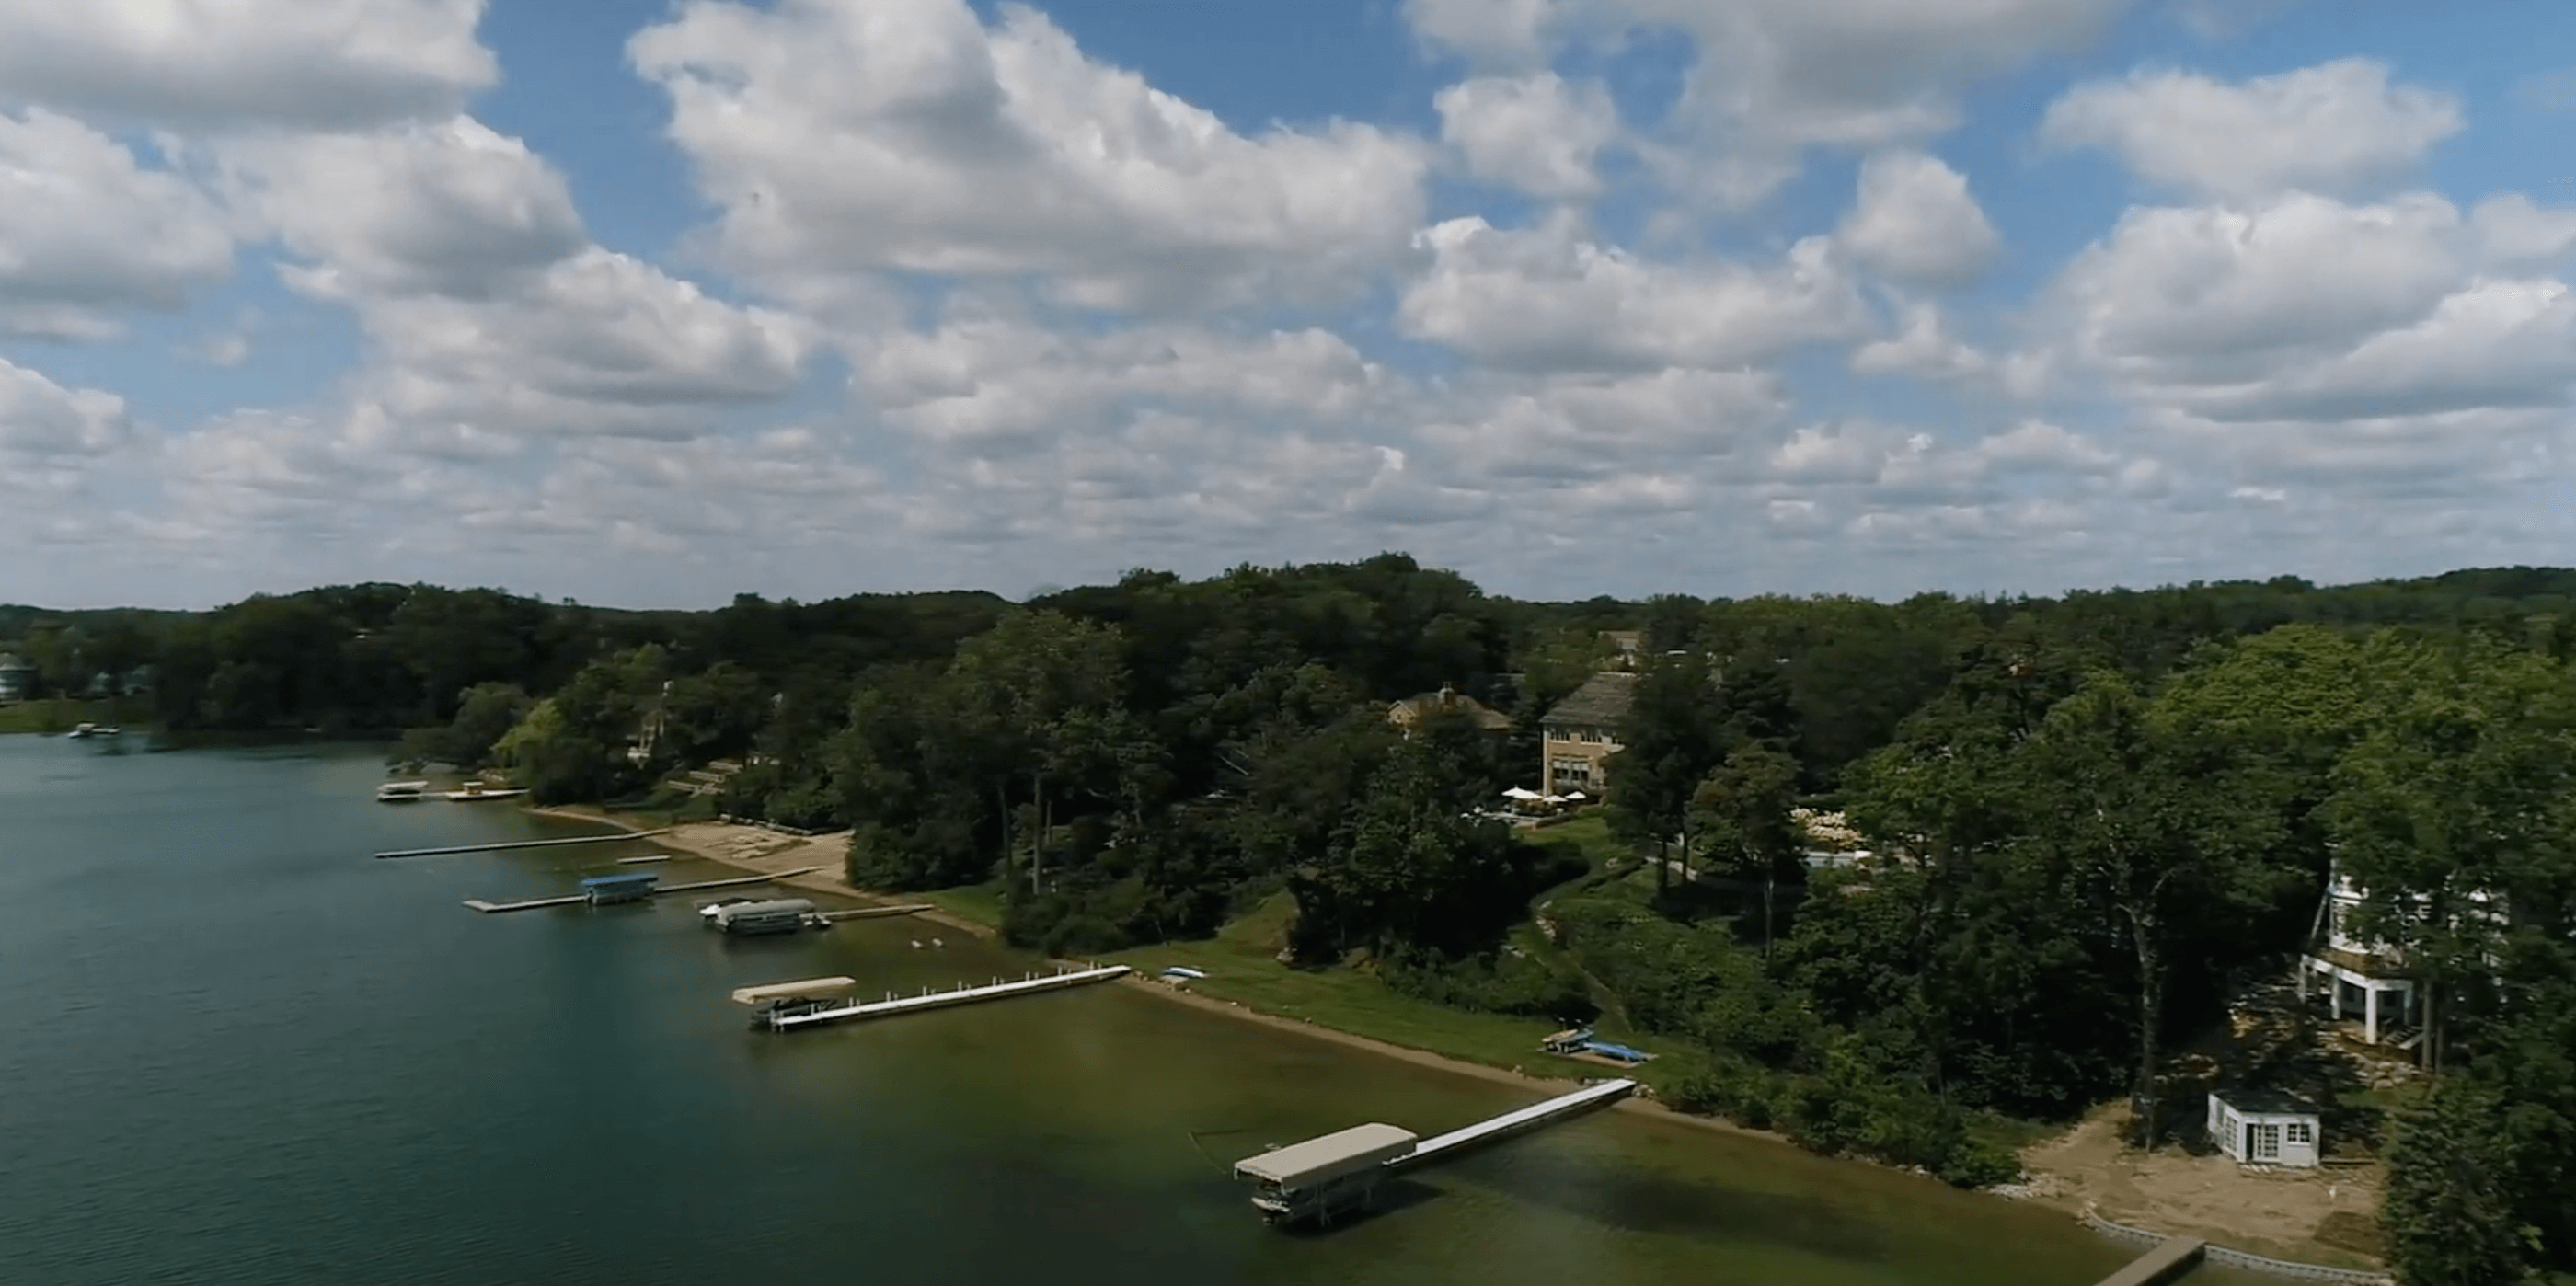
1640	1201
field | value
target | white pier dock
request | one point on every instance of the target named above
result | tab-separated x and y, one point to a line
501	845
1587	1099
1339	1172
962	995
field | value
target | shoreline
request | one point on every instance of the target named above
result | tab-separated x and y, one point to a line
778	852
755	850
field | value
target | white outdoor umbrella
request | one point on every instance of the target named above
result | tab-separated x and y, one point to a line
1576	794
1554	799
1520	792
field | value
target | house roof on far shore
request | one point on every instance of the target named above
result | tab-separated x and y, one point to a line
1603	700
1448	701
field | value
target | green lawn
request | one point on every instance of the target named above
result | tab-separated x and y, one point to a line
1242	965
981	903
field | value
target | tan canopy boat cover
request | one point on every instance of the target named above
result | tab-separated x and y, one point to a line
792	990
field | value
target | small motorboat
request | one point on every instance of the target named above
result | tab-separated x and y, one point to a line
401	792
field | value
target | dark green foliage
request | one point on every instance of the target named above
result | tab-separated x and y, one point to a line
484	715
1498	982
2450	1210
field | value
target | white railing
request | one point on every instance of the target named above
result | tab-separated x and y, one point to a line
2218	1254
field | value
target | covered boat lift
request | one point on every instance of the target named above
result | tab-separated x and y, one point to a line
780	999
1320	1176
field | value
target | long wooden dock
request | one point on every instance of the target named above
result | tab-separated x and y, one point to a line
2171	1259
872	912
1494	1129
962	995
490	908
521	843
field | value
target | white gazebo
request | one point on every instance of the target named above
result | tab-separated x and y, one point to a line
2265	1127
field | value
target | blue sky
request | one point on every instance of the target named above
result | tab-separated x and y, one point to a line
652	303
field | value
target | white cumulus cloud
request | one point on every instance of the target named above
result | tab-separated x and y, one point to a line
41	420
447	208
1537	133
216	64
1917	222
86	231
1549	298
1770	78
2325	128
908	135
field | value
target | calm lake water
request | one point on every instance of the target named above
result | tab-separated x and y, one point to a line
234	1049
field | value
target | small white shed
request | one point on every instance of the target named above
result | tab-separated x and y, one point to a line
2264	1127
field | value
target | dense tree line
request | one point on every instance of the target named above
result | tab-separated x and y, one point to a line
2093	818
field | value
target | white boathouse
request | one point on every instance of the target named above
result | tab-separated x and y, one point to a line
2265	1127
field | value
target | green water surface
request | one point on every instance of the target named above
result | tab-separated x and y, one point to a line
235	1049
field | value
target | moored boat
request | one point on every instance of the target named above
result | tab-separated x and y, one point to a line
401	792
780	915
473	791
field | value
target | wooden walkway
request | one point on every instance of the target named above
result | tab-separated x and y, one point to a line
872	912
532	904
522	843
962	995
1521	1121
2167	1262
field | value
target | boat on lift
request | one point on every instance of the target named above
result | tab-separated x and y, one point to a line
476	791
402	792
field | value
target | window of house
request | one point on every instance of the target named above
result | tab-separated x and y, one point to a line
2302	1132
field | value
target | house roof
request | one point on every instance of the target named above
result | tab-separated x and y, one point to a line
1449	701
1602	700
2267	1102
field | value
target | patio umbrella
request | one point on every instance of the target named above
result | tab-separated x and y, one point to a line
1576	794
1520	792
